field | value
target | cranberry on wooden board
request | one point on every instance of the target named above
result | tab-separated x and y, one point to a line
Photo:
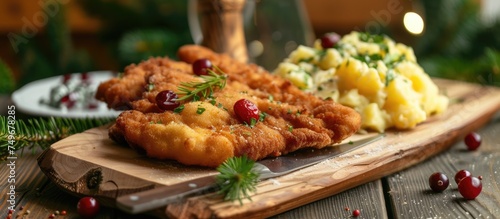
461	174
438	182
472	141
87	207
470	187
356	213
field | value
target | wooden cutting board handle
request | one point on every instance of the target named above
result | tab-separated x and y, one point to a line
221	24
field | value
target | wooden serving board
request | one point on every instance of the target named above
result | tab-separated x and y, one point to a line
90	163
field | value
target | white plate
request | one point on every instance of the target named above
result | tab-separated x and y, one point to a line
27	98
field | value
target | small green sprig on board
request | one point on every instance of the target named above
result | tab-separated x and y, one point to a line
202	90
237	178
44	132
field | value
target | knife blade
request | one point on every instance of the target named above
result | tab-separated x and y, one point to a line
268	168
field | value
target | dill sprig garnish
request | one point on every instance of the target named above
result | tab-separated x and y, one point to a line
204	89
237	178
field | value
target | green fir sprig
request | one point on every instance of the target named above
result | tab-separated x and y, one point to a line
41	132
202	90
237	179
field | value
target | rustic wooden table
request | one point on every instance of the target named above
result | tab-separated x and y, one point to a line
405	194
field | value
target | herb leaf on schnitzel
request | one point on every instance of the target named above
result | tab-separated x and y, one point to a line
202	90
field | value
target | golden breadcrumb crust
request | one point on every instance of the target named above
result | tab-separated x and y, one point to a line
293	120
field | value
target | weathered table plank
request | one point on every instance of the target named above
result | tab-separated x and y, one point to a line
411	197
38	195
368	198
41	198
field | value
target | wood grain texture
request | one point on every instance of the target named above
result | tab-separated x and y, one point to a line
69	162
39	197
411	187
368	198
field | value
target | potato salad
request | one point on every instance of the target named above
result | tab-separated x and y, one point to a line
373	74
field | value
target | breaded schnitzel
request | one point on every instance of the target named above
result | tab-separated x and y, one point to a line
293	119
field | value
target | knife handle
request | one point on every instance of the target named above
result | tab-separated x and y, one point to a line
158	197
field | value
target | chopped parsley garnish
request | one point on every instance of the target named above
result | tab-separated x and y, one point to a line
371	38
179	109
392	61
200	110
262	116
253	121
389	76
370	60
307	60
374	38
321	53
212	101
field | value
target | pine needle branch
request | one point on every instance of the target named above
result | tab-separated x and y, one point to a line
41	132
237	178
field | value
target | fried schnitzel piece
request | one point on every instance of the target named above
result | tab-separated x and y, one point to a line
209	138
293	120
119	93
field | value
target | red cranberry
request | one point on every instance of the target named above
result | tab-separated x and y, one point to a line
470	187
66	78
329	40
166	100
68	100
202	66
246	111
84	76
473	141
461	174
92	106
87	207
438	182
356	213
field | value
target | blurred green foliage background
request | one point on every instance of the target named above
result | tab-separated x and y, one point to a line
455	45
